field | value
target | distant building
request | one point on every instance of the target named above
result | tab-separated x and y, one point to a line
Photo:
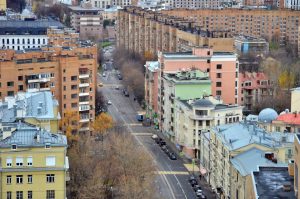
183	85
292	4
38	108
87	20
254	87
34	162
110	13
195	117
3	5
295	100
272	182
19	35
287	122
246	45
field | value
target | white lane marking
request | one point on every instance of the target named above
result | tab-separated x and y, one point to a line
138	140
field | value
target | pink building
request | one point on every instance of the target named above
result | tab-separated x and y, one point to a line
222	67
151	86
253	88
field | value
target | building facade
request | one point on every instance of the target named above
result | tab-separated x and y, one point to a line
297	165
295	97
147	31
69	73
19	35
87	20
34	163
194	117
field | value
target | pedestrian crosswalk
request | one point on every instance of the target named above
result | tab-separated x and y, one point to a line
172	172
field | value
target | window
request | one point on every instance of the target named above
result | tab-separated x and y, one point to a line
50	161
208	61
29	161
219	93
52	84
73	87
20	87
51	74
50	178
74	105
277	129
20	78
47	146
64	79
19	161
19	179
73	78
8	179
10	93
218	84
207	123
29	179
19	195
219	75
219	66
8	162
65	88
8	195
74	96
10	84
65	106
50	194
29	195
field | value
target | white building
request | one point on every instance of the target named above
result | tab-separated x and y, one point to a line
292	4
19	35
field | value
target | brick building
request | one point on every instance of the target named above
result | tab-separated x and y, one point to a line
68	71
147	31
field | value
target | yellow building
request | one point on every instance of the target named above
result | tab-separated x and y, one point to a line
3	5
295	101
230	140
33	163
36	108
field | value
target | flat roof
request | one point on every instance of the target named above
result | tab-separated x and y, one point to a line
79	8
269	183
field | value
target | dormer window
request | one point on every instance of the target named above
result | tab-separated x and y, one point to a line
47	146
14	147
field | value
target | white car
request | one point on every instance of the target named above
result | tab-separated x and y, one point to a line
109	102
104	75
154	136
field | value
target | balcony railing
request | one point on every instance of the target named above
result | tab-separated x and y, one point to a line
84	108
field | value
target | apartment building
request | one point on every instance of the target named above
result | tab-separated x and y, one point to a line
246	45
87	20
19	35
254	87
279	25
296	165
194	117
195	4
295	99
69	73
230	140
148	31
221	67
182	85
36	108
151	87
292	4
103	4
3	5
34	162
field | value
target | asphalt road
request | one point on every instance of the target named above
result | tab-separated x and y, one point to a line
172	178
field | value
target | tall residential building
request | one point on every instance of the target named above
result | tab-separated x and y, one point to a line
69	72
195	117
87	20
36	108
34	162
182	85
277	25
19	35
297	165
144	31
221	67
295	99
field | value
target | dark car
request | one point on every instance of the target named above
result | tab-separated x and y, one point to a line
126	94
197	187
201	196
158	140
163	147
192	178
166	150
162	143
172	156
194	182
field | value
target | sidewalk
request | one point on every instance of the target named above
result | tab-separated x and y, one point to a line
204	185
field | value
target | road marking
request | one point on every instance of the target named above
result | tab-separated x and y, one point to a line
142	134
190	167
141	144
172	172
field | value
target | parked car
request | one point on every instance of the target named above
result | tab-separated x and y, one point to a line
154	137
104	75
199	193
158	140
201	196
162	143
192	178
117	88
197	187
194	182
109	102
163	147
126	94
172	156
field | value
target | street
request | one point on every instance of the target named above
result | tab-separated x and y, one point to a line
172	181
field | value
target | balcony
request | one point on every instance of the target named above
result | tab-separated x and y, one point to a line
84	76
84	108
84	129
83	94
47	79
84	119
81	85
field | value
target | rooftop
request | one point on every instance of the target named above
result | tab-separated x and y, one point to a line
249	161
269	181
152	65
238	135
38	105
189	76
189	55
80	8
30	136
289	118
